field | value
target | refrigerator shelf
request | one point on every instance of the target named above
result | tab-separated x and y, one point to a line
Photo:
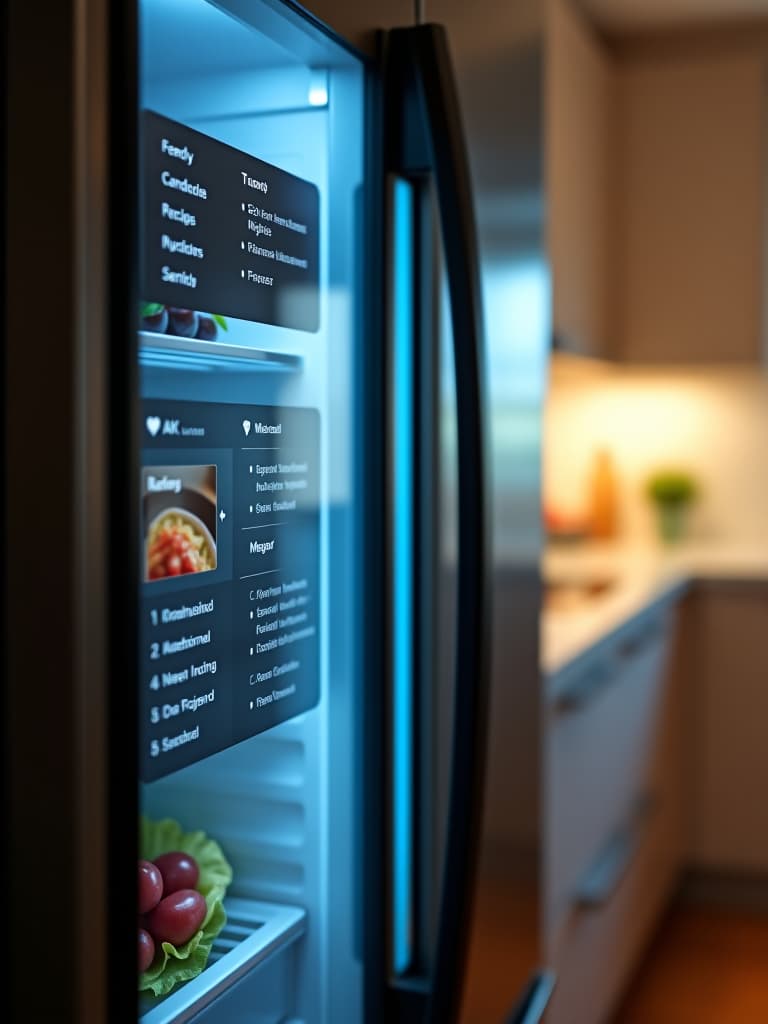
171	352
253	932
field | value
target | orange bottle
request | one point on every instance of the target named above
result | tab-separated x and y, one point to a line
603	513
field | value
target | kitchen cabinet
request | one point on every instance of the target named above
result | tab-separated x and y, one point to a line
655	160
654	763
613	812
727	716
580	93
688	251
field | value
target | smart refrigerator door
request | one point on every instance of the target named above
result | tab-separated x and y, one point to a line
254	427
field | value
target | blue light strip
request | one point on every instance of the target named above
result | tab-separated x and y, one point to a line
403	496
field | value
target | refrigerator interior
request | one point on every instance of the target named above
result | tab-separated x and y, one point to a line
283	804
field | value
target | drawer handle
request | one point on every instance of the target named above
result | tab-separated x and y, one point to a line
613	861
533	1002
589	684
584	689
637	642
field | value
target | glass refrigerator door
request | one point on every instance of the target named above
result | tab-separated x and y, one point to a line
251	175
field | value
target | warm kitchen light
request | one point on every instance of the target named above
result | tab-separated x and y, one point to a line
712	422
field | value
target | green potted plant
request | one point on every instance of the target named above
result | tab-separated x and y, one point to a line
672	492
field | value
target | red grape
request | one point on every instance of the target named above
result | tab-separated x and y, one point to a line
183	322
206	328
156	321
146	949
150	886
177	917
179	871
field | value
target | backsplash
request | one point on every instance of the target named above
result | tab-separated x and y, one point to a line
713	422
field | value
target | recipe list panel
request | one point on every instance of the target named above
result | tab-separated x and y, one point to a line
226	233
229	629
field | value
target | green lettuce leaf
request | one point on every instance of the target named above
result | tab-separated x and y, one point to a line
151	308
174	964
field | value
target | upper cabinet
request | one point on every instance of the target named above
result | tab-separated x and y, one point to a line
656	152
580	120
689	246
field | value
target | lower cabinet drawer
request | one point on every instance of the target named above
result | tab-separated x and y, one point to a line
602	745
599	941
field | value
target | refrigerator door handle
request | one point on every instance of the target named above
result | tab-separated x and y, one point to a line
426	141
534	1001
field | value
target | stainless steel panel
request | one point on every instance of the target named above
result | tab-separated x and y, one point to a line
498	52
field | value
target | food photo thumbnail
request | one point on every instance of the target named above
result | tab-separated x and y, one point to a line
179	506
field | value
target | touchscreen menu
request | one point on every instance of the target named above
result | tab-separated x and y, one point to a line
230	573
225	233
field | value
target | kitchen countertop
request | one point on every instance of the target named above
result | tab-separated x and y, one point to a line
639	578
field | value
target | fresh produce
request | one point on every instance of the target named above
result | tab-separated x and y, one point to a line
177	917
179	871
146	949
170	908
154	317
184	923
206	328
185	323
150	886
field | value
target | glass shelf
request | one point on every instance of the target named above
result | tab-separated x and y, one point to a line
171	352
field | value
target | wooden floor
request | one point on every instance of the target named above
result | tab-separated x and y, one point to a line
503	950
706	966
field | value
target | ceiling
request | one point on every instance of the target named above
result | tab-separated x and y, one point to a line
637	15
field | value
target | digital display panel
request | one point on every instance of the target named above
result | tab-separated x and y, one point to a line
230	575
225	233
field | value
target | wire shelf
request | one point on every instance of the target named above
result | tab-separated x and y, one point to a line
253	932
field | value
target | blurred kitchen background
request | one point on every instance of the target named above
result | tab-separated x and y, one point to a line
657	193
654	639
711	422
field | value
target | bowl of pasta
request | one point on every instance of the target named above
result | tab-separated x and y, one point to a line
178	542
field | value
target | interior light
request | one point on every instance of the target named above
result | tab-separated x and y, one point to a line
318	89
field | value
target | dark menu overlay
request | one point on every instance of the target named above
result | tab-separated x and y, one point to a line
224	232
229	637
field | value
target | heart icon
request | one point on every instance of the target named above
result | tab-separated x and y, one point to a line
153	425
247	427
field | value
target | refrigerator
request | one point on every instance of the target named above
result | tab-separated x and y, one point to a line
275	325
